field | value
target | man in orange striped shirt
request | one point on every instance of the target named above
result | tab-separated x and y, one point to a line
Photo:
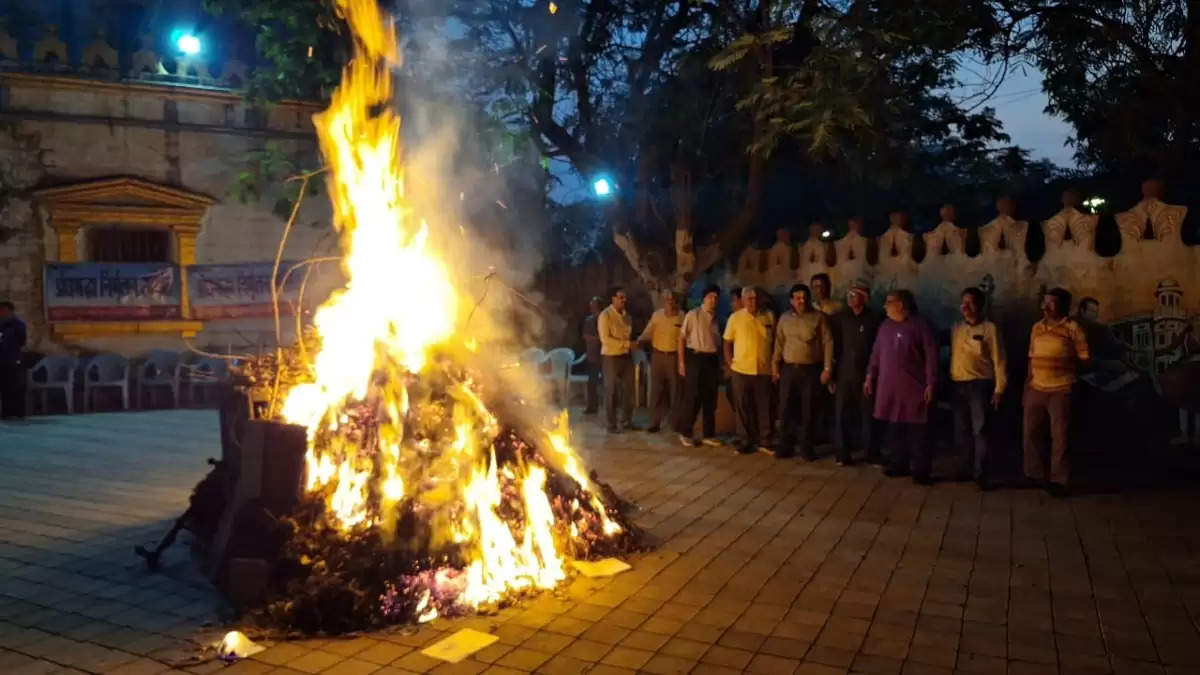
1057	347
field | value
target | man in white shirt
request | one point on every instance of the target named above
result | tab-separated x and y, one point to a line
615	331
662	333
748	351
699	363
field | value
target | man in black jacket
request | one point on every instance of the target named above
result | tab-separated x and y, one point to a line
12	375
854	329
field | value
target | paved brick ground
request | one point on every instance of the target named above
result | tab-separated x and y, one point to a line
763	566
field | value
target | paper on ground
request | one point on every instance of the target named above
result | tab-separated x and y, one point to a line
235	645
459	646
600	568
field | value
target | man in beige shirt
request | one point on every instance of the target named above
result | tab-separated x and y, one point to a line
615	345
662	332
978	370
802	364
748	336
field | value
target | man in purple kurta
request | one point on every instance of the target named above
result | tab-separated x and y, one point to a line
902	374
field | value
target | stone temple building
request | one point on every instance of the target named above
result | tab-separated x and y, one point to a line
117	168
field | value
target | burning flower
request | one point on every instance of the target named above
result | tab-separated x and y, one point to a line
429	492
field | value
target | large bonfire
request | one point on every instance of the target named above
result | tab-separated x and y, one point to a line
432	489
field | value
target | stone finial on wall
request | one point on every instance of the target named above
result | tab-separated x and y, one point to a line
853	246
1070	220
50	49
234	73
781	259
8	43
1004	232
145	60
896	242
947	238
815	252
187	65
99	55
1164	219
750	264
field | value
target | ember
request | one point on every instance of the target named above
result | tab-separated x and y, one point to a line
430	491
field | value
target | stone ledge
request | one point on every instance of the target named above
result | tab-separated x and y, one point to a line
76	330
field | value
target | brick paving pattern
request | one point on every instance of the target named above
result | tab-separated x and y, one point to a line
762	566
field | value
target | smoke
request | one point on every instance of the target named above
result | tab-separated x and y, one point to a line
481	199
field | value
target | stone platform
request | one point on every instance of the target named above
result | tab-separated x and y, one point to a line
763	566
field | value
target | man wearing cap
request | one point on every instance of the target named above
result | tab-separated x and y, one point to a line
854	330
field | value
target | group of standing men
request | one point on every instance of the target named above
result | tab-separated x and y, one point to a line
880	373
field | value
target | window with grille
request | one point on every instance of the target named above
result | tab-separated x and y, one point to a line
115	244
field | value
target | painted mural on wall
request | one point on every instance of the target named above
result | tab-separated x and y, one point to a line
1141	306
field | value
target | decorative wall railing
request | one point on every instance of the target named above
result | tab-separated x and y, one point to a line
99	60
1152	255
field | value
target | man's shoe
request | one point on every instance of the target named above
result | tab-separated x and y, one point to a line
809	455
985	484
784	453
745	449
895	472
653	429
964	477
614	430
875	459
686	441
1058	490
765	449
845	461
922	480
714	442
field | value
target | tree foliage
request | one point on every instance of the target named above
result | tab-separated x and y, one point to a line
715	117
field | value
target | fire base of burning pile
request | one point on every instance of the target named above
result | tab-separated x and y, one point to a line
395	559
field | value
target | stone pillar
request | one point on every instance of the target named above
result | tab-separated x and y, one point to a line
185	255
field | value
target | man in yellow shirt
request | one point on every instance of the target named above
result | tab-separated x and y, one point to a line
748	352
662	333
1057	347
978	372
615	328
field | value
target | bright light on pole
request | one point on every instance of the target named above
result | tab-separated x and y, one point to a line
1095	203
188	44
602	187
826	234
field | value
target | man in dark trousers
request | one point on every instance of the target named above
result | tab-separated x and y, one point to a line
699	364
12	374
802	364
854	329
591	343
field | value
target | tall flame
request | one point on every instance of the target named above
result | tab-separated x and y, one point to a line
399	303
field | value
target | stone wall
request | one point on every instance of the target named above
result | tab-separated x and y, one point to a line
1152	252
57	131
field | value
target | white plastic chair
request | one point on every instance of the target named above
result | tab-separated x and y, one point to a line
159	370
562	360
52	373
532	357
641	378
573	378
106	371
204	375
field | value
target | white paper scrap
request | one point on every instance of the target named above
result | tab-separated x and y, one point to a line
235	645
601	568
459	645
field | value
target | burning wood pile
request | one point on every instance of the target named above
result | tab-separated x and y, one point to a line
430	487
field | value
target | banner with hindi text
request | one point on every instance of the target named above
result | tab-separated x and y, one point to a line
240	290
111	291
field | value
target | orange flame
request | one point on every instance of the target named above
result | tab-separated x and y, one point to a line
400	302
